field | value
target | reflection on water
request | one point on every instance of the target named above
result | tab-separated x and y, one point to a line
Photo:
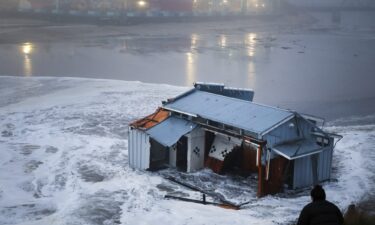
194	42
190	68
191	58
250	41
296	70
223	41
123	47
28	67
27	49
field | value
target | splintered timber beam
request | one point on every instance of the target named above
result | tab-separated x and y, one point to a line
260	192
183	184
204	202
225	202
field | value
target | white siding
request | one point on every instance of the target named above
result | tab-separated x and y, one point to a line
195	153
139	149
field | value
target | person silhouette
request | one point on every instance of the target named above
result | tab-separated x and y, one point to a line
320	211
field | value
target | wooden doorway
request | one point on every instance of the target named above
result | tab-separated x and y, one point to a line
181	158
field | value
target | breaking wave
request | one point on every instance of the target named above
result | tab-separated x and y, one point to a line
63	160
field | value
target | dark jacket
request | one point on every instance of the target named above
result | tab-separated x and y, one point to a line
320	213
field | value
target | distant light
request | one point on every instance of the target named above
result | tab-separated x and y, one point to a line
263	5
195	1
256	5
225	1
223	41
27	48
250	41
142	3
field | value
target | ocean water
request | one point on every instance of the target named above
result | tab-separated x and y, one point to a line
307	63
63	160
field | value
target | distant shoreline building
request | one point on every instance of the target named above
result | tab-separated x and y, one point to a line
148	8
332	4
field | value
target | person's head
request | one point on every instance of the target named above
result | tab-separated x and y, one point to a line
318	193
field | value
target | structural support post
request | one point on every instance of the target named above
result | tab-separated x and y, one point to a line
260	172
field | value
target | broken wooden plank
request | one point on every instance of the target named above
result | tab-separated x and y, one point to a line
204	202
194	188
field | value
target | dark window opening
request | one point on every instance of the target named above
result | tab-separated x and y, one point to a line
159	155
241	161
181	160
233	161
322	141
288	174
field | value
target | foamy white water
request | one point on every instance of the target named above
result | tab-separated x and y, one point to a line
63	160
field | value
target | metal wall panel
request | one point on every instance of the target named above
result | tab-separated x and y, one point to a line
282	133
325	164
303	176
139	149
285	132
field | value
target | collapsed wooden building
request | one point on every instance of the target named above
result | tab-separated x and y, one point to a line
221	128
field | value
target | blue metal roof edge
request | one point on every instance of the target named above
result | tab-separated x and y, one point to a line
182	112
178	96
316	151
255	103
208	83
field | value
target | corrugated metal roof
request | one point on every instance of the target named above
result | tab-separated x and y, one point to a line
246	115
298	149
170	130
